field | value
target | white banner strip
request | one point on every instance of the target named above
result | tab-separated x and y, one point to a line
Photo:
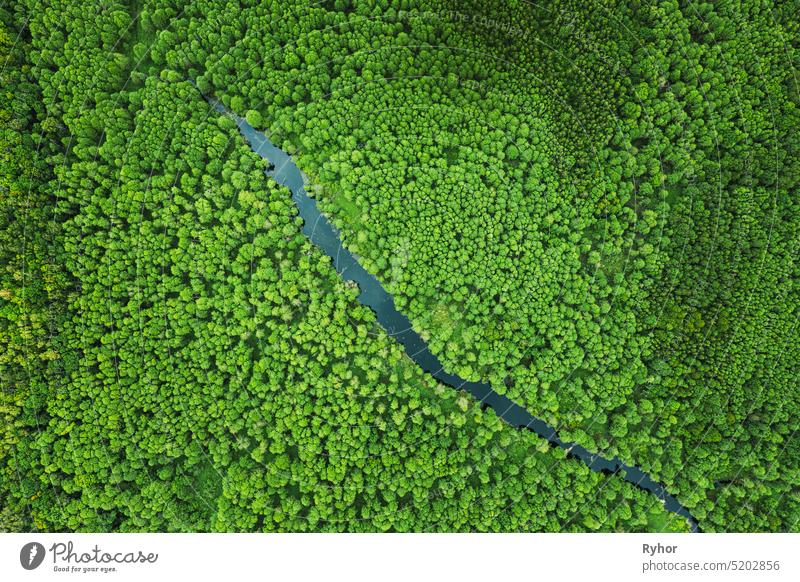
371	557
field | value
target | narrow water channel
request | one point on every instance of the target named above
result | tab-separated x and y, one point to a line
322	234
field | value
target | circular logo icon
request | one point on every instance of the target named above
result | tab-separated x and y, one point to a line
31	555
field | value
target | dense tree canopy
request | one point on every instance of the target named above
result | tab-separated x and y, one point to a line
215	373
598	222
590	205
32	282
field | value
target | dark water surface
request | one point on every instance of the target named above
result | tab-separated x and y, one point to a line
325	236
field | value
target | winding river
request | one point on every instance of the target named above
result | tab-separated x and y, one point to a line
323	234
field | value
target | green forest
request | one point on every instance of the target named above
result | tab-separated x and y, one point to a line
592	206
